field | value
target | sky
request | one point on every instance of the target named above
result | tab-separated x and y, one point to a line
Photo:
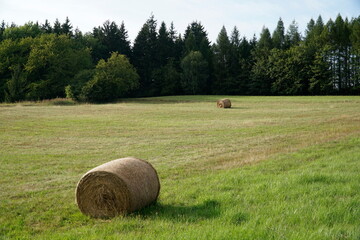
249	16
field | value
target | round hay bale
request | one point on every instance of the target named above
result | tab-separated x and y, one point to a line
223	103
117	187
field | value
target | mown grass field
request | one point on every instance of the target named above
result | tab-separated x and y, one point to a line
268	168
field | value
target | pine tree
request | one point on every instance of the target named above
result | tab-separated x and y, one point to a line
66	27
196	39
222	50
355	34
310	27
320	76
57	27
260	80
278	36
292	37
337	36
314	31
110	38
195	34
290	70
172	32
167	79
145	56
234	65
177	45
78	34
124	42
235	37
164	45
163	54
265	41
46	27
355	53
246	62
319	26
2	28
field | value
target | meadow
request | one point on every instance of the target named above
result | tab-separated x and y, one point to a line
268	168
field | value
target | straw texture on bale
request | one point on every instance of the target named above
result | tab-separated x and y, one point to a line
117	187
224	103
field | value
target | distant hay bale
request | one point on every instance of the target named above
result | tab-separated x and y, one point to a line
224	103
117	187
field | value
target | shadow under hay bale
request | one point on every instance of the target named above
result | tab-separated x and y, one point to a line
182	213
118	187
224	103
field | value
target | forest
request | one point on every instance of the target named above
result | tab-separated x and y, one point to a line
49	60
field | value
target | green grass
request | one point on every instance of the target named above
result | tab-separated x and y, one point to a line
268	168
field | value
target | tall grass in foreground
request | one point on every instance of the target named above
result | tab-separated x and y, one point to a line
269	168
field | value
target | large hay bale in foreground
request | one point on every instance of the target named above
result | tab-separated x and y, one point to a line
118	187
223	103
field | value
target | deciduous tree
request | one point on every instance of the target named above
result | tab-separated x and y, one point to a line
113	79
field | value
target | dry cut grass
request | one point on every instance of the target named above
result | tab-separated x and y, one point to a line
199	152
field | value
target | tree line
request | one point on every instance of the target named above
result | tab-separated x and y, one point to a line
43	61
